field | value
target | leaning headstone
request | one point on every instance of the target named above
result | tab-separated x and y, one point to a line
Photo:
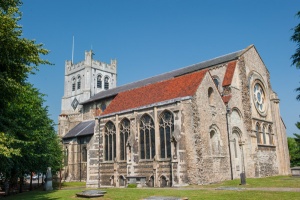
48	180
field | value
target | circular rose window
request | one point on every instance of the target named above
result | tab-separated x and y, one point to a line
259	97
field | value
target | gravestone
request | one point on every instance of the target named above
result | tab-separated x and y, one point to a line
48	180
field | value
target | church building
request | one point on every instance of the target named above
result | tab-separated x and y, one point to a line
200	124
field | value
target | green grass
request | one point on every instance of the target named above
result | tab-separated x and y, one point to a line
192	192
274	181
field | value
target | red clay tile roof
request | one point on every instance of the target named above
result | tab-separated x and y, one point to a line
181	86
226	99
229	73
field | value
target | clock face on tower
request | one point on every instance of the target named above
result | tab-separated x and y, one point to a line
259	98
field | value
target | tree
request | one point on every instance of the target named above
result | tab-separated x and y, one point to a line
296	56
28	142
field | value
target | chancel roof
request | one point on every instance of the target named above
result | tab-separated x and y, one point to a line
82	129
175	88
166	76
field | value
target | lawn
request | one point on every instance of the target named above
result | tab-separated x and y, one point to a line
192	192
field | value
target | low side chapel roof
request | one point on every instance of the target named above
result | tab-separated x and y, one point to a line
168	75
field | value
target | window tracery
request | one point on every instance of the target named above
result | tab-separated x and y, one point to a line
110	141
147	138
124	134
166	127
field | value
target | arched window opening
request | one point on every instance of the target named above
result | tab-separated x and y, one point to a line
216	81
210	95
84	154
215	142
147	137
124	134
264	135
271	136
151	181
121	181
73	83
166	127
99	81
78	82
66	156
106	83
235	148
163	181
110	141
257	134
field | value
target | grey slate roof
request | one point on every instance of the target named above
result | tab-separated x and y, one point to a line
165	76
82	129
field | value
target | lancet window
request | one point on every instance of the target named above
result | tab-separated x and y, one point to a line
166	127
99	81
106	83
78	82
73	83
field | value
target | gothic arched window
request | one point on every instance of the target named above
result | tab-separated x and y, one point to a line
210	95
124	134
264	135
99	81
270	136
147	137
215	142
110	141
73	83
78	82
66	156
166	127
106	83
84	154
257	133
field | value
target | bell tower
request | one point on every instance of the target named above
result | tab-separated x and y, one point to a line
82	81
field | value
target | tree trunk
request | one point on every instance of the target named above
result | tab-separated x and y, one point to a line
21	184
30	186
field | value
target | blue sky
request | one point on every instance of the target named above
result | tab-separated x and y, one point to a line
150	37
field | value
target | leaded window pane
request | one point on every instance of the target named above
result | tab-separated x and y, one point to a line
114	146
121	146
99	81
110	147
106	147
168	141
166	127
142	144
110	141
147	137
124	133
152	143
162	142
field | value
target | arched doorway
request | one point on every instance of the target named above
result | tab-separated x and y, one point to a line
151	181
121	181
163	181
236	154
